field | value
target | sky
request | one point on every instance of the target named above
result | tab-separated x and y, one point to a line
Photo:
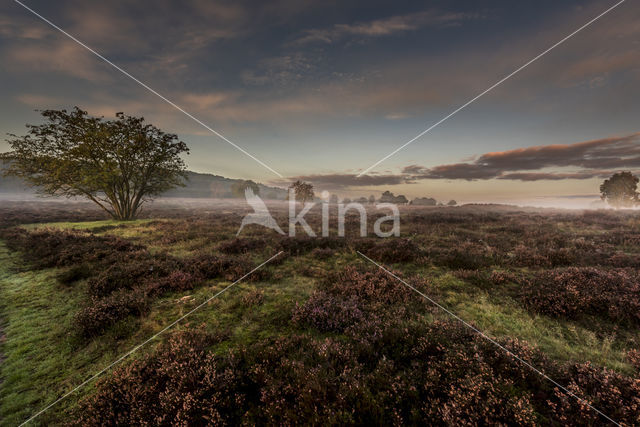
322	90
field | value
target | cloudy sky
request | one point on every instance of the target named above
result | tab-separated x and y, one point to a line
322	90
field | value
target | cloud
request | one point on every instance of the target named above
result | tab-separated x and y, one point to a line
11	27
58	56
588	156
554	176
280	70
38	101
598	158
383	27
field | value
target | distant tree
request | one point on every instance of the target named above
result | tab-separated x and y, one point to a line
452	203
303	191
333	199
387	197
620	190
346	200
424	201
117	164
372	199
362	200
401	200
238	188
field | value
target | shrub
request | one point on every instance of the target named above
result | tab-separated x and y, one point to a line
465	256
441	373
376	287
46	249
180	384
390	250
176	281
240	246
614	394
100	314
322	253
253	298
134	270
329	313
212	266
485	279
613	294
634	358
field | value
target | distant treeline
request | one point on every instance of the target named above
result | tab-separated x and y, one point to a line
198	185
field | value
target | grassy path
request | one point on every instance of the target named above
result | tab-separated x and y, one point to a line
37	347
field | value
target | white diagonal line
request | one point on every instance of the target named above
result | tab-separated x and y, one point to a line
472	100
136	348
491	340
168	101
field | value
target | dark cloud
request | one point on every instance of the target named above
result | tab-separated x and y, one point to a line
591	157
553	176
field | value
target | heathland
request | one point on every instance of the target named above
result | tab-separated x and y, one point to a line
319	335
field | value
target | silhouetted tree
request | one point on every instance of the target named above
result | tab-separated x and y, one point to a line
238	188
118	164
372	199
620	190
303	191
424	201
387	197
452	203
333	199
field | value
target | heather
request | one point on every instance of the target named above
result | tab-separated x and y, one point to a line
319	335
122	278
613	294
441	374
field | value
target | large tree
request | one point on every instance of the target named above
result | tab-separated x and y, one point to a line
620	190
118	164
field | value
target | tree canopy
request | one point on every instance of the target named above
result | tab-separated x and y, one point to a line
118	164
620	190
303	191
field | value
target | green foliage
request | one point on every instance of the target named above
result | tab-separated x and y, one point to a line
118	164
620	190
303	191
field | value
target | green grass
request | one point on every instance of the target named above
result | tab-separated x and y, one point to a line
87	225
561	340
40	358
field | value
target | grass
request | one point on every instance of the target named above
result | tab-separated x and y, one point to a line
40	358
45	358
110	224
